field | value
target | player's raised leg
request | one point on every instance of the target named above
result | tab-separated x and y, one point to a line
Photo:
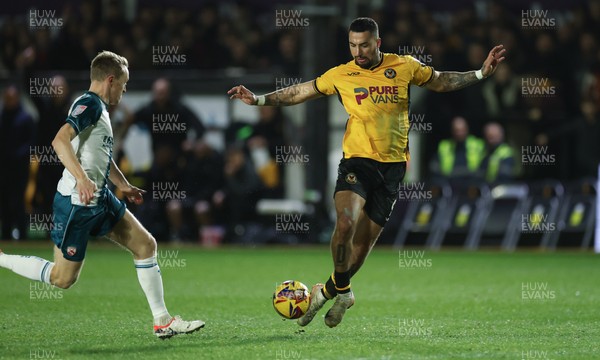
65	272
61	273
132	235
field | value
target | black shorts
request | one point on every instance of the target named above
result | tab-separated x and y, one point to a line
376	182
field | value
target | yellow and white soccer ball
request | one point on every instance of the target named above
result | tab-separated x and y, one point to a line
291	299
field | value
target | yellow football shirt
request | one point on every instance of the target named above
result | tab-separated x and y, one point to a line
377	101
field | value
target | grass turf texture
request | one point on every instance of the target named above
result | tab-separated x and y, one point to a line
450	305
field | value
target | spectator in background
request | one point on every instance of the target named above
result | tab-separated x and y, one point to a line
459	157
584	134
17	130
53	112
208	35
262	140
238	197
503	102
169	121
474	106
288	56
499	164
265	165
267	136
270	127
203	178
173	128
502	94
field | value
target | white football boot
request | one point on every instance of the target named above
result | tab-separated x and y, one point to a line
177	326
336	313
317	300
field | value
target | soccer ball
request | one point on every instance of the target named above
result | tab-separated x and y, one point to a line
291	299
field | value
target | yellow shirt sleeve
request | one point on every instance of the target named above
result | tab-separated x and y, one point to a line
324	83
421	73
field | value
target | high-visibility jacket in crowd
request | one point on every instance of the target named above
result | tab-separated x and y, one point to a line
474	148
502	152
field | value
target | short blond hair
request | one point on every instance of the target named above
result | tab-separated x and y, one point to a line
107	63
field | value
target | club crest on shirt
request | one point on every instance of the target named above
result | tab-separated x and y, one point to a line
78	110
351	178
390	73
71	250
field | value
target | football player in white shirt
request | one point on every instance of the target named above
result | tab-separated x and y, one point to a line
84	206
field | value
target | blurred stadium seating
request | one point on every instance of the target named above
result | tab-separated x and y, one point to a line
227	43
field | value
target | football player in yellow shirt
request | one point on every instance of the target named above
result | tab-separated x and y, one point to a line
373	88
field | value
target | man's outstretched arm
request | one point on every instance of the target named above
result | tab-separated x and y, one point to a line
291	95
452	80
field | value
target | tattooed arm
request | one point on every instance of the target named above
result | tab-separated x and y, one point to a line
291	95
451	80
443	81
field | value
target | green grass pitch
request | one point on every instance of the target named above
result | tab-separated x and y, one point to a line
409	305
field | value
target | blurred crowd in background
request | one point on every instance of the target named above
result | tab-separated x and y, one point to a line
493	119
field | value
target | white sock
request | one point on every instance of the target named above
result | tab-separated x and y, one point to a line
31	267
151	281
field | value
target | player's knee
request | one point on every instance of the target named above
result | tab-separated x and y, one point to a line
145	247
344	226
65	282
150	246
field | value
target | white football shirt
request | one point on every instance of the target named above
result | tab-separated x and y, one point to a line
92	145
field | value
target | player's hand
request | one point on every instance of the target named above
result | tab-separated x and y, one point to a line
494	58
133	194
240	92
86	189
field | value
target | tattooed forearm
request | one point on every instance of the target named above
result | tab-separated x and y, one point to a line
282	97
292	95
276	98
452	80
